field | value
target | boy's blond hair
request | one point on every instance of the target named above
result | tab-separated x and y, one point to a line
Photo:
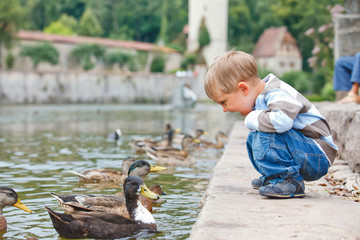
227	70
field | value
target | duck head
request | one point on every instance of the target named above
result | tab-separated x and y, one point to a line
141	168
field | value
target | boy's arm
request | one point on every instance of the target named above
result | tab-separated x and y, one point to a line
279	116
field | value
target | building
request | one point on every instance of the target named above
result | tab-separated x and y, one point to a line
66	44
215	13
276	50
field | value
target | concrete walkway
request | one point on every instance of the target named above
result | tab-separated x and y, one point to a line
233	210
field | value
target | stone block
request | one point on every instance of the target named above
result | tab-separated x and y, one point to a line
344	120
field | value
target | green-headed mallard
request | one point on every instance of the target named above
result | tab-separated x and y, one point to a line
108	203
8	197
106	175
221	138
86	223
174	156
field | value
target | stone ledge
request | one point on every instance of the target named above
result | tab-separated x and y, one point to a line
344	120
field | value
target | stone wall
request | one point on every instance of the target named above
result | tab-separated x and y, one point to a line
345	124
92	87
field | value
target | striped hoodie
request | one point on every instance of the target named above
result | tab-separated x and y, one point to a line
279	107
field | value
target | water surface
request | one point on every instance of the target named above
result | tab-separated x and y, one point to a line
39	144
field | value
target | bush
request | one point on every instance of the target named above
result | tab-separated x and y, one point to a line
298	80
158	64
318	82
328	92
45	52
10	60
83	53
117	58
190	60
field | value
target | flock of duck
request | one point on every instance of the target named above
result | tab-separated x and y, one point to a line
123	214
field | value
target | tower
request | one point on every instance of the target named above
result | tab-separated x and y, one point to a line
215	13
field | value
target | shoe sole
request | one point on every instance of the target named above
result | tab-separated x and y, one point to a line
297	195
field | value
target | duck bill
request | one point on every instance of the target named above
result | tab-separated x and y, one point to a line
196	140
20	205
154	168
148	193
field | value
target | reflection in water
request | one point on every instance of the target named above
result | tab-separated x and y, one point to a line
41	144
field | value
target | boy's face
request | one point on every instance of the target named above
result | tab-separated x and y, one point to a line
237	101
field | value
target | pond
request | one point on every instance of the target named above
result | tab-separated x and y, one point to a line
40	144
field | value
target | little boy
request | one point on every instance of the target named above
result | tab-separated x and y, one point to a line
289	141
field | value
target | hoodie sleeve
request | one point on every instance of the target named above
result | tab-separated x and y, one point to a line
279	116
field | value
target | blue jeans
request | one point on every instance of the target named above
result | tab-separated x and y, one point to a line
346	72
287	155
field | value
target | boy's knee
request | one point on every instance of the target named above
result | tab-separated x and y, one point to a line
316	174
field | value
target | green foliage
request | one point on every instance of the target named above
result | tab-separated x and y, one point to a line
45	52
89	25
83	53
10	60
298	80
59	28
189	61
119	58
40	13
158	64
10	22
318	81
263	72
328	92
69	22
204	36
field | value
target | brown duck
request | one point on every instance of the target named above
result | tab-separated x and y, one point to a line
106	175
108	203
87	223
175	156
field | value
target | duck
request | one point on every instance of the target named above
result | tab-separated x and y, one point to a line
147	202
174	156
8	197
139	145
106	175
178	137
88	223
108	203
220	139
115	136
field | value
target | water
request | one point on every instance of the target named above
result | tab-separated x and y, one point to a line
40	144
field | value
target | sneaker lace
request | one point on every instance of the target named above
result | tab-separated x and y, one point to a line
276	180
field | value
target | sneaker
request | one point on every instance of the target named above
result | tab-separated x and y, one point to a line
284	188
351	97
258	182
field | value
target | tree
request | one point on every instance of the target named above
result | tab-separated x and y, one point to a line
45	52
10	21
203	40
158	64
89	25
59	28
117	58
65	25
40	13
83	54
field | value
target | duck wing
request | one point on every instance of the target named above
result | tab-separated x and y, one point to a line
100	175
104	203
